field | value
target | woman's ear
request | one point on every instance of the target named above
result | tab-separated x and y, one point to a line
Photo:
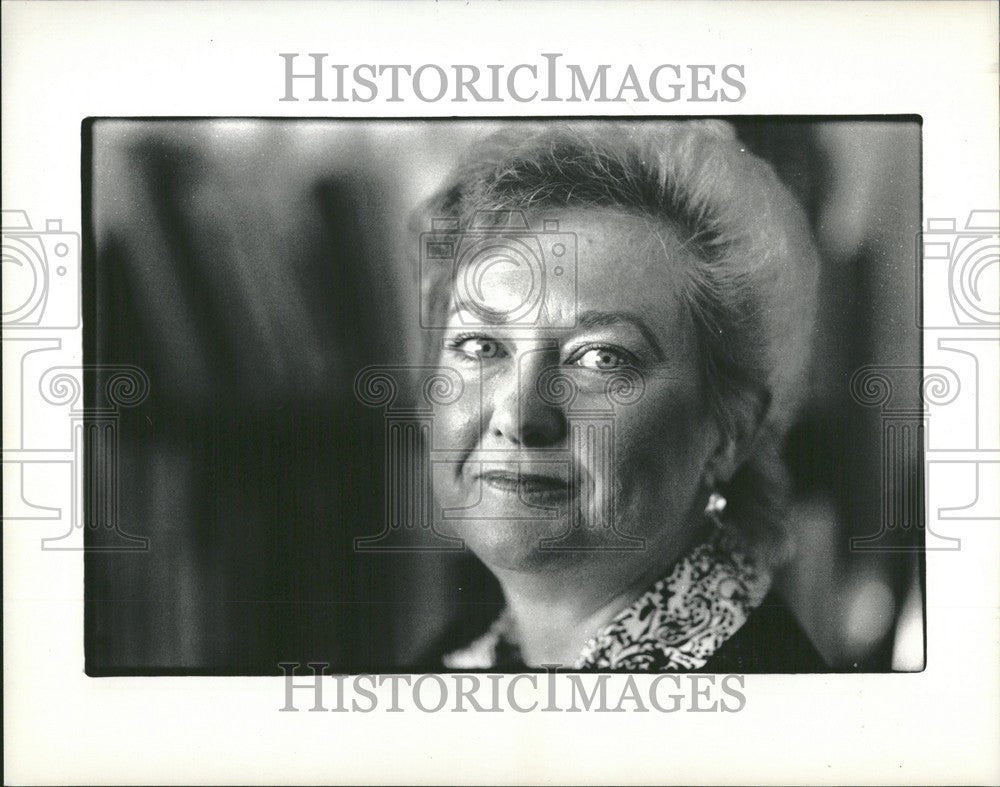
722	465
736	444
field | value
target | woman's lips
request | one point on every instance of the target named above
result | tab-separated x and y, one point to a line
525	485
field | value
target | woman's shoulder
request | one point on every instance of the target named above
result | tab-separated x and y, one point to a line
771	641
471	641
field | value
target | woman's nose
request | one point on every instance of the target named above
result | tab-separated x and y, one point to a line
520	416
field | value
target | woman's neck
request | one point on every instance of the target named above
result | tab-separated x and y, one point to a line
555	619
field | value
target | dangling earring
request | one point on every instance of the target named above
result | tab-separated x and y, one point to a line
716	505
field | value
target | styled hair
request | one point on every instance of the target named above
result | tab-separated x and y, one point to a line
751	291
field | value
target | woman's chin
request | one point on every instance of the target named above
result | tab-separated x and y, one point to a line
524	544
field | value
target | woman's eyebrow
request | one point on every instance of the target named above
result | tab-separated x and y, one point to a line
600	319
483	315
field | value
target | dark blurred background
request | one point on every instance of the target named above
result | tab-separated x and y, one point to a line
251	268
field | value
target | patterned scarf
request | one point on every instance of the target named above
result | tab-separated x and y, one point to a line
675	625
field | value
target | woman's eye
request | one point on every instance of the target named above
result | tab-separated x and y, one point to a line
601	358
479	347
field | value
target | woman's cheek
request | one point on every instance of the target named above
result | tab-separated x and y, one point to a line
457	423
658	440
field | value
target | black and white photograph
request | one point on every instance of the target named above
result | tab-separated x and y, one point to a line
476	395
500	392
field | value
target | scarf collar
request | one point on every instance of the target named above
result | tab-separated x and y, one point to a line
677	624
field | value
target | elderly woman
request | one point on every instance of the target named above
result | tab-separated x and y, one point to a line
629	309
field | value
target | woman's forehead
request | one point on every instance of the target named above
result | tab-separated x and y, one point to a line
584	260
631	250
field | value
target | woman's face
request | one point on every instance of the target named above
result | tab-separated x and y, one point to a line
541	463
